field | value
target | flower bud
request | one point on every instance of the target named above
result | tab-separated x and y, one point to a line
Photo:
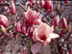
71	51
30	34
64	23
58	7
13	9
65	2
4	21
49	5
0	1
56	21
42	4
3	30
71	20
24	50
18	27
33	2
24	28
6	8
16	36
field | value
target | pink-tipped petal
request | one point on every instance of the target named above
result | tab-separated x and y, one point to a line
36	47
47	42
52	28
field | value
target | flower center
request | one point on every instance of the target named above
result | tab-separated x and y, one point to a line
43	37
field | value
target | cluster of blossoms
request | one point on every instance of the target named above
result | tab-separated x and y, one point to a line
39	31
42	32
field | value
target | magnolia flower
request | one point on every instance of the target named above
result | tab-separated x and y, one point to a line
32	17
49	5
4	21
56	21
42	34
13	9
64	23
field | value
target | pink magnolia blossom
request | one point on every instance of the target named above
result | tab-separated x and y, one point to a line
18	27
42	34
32	17
0	1
49	5
13	9
24	28
64	23
56	21
4	21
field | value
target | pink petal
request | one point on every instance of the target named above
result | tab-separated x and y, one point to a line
53	35
36	47
37	22
47	42
52	29
30	33
34	35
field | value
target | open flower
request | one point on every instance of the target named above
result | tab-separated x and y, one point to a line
4	21
32	17
42	34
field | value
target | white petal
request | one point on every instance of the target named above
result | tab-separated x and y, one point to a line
53	35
